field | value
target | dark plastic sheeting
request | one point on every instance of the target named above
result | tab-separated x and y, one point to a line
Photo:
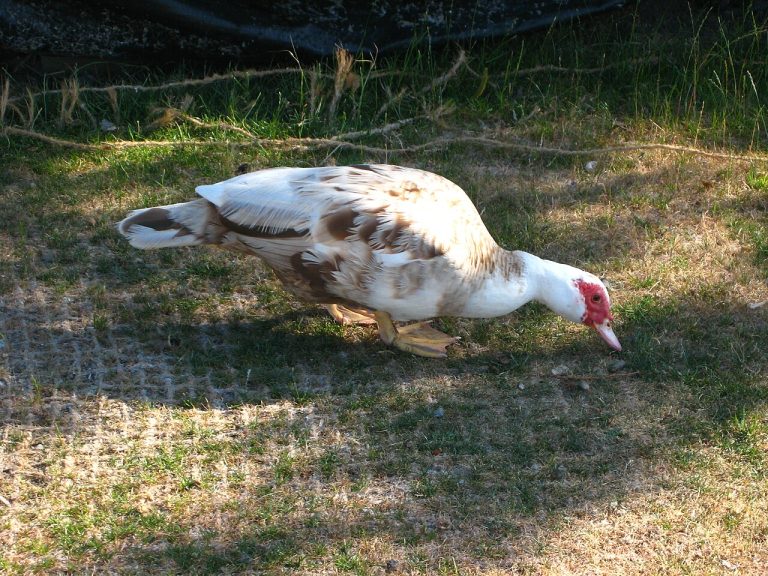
241	29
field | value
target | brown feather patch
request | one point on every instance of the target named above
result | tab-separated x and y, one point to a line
156	218
367	167
398	229
260	231
316	276
367	228
395	237
340	223
510	264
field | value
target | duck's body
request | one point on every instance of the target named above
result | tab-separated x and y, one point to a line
404	243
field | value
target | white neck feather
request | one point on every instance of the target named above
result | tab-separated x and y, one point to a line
501	292
555	288
542	280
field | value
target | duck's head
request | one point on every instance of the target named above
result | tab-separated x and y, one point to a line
582	297
596	306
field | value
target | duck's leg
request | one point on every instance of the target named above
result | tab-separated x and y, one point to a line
344	315
420	338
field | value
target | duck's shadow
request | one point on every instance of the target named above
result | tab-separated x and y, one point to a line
304	352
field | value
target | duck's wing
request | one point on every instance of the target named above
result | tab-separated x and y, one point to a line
331	233
261	204
405	214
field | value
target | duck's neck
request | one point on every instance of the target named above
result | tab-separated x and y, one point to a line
516	279
552	285
511	282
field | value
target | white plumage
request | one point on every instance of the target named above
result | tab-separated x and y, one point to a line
374	242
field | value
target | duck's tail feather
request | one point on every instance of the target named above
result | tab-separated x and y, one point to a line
184	224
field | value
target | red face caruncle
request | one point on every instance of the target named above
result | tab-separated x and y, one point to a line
596	300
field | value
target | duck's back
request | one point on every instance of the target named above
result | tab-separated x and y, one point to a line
297	200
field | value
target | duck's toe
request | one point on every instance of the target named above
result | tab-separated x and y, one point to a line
345	315
419	338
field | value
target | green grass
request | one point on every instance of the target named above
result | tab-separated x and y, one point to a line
178	412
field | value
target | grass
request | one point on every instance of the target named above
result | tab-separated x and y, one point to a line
177	412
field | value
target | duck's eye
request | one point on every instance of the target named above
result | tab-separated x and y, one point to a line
596	298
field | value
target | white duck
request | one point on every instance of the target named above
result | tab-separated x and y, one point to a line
375	243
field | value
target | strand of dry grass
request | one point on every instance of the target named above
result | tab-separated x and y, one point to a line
461	60
595	70
590	377
285	143
70	94
220	125
13	130
384	129
340	143
441	143
344	62
30	109
174	114
4	97
169	115
551	68
239	74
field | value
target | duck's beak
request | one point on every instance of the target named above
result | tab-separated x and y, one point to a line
606	333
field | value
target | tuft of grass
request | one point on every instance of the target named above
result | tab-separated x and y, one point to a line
284	468
757	180
345	560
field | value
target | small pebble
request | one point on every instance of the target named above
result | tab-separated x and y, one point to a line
561	370
439	412
583	385
591	166
107	126
392	566
521	386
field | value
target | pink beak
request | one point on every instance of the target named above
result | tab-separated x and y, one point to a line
606	333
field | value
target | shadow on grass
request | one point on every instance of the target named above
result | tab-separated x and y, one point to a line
472	451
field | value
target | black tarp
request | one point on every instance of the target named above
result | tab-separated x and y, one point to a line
246	30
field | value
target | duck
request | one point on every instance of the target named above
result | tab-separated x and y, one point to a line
375	244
